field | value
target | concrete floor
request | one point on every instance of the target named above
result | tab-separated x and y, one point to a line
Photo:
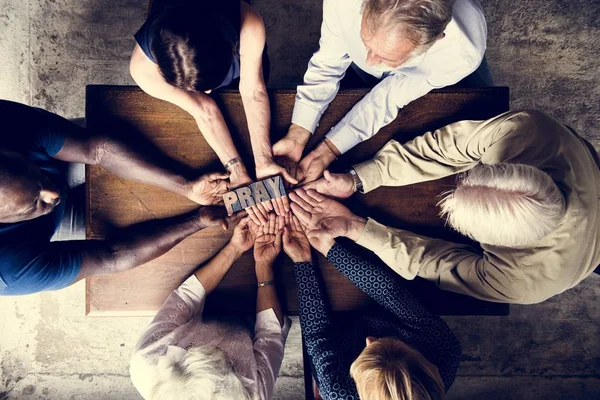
545	50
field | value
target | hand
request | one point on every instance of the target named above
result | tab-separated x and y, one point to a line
268	168
288	151
324	215
268	240
208	189
321	240
312	166
280	205
238	176
212	216
292	145
340	186
295	242
244	235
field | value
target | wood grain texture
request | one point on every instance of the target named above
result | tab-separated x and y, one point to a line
129	112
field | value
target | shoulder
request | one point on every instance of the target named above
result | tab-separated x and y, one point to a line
461	50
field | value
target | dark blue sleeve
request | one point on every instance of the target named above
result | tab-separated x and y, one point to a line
29	268
30	130
434	338
53	130
332	375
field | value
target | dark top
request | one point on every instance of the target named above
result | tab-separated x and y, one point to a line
223	8
400	316
26	263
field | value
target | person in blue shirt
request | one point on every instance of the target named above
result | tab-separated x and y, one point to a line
397	351
188	48
35	149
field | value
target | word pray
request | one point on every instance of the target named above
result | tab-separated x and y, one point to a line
257	192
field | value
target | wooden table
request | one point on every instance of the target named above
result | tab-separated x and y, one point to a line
142	291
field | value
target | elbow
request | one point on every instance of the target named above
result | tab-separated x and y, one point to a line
97	148
106	260
206	111
257	92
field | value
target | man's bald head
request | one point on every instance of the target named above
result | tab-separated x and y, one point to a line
25	192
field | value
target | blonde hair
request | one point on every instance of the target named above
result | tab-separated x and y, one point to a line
504	204
204	373
389	369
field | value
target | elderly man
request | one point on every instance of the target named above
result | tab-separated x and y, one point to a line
407	48
35	147
529	194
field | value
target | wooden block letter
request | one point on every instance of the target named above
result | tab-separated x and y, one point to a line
245	196
230	199
260	192
275	186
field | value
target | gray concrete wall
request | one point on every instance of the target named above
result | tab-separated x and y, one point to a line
545	50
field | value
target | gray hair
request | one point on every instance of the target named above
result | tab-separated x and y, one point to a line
504	204
420	21
204	373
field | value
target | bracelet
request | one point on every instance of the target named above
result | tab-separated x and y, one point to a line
329	147
265	283
232	162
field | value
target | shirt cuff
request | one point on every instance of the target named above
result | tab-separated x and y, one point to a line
266	320
343	137
306	116
369	175
192	291
373	236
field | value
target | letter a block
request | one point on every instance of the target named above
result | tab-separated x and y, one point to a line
257	192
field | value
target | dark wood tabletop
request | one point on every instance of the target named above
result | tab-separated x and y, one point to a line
112	201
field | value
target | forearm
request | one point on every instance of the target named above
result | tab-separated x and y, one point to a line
214	129
326	69
389	292
311	294
258	115
266	296
447	151
212	273
138	244
151	167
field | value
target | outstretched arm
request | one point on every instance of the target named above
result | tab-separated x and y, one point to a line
456	148
142	162
198	104
138	244
183	304
318	335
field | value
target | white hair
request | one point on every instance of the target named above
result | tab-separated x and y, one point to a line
419	21
504	204
204	373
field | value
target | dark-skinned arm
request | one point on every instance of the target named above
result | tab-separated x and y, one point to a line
139	243
124	160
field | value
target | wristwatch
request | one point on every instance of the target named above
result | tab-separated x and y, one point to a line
357	182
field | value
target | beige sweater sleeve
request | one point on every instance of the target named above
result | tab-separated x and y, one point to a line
488	275
449	150
451	266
